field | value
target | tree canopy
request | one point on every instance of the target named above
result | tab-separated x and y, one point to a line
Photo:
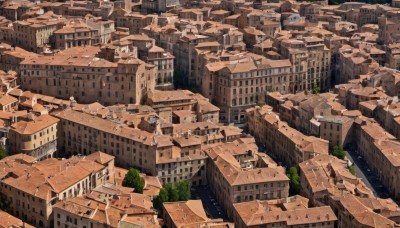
3	153
339	152
316	89
172	193
352	170
183	188
134	180
160	199
294	181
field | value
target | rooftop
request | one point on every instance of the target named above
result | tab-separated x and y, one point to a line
114	211
8	220
43	178
191	214
34	125
292	211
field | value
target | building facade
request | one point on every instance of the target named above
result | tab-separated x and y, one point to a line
78	73
36	137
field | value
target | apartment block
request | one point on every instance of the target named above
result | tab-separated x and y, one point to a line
84	133
82	9
8	81
170	158
359	212
8	103
236	86
144	48
77	72
159	6
34	136
267	21
34	34
128	210
385	79
284	212
385	113
183	103
311	63
357	95
149	52
236	173
133	21
351	62
379	149
8	220
388	28
191	14
342	89
35	187
324	177
310	11
338	130
304	110
88	30
213	52
310	111
190	214
393	56
11	56
287	144
75	34
15	10
184	49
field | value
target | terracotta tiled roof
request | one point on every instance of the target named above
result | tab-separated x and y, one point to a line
256	213
8	220
37	124
6	100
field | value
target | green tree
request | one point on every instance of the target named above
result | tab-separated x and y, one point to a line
133	180
3	153
261	103
173	194
339	152
316	89
160	199
294	181
183	188
352	170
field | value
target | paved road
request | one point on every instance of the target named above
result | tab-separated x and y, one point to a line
366	175
211	206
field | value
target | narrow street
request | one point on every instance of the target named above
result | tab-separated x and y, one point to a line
362	171
211	206
366	175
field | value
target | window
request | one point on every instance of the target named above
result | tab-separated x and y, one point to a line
238	199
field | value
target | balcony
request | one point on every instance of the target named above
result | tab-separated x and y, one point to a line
43	151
